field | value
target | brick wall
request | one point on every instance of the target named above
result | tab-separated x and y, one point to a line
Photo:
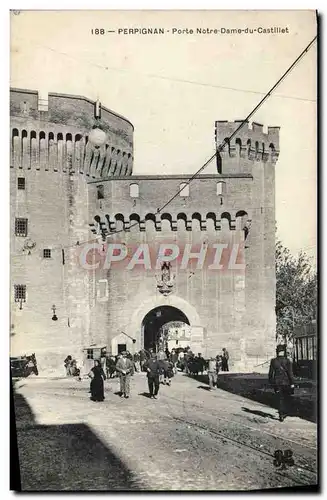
235	309
62	174
55	201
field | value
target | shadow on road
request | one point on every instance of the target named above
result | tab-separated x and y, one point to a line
256	388
66	457
259	413
204	387
145	394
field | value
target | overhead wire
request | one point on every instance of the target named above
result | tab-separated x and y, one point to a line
163	77
221	145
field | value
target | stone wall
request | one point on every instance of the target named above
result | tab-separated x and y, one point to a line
235	309
76	194
49	149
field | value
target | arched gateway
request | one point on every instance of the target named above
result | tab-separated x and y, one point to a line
156	311
155	320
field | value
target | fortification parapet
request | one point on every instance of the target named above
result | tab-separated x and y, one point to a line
52	134
250	142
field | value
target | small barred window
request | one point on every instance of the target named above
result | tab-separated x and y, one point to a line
21	183
20	227
46	253
20	293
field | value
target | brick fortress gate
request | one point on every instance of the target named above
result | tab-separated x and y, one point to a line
76	194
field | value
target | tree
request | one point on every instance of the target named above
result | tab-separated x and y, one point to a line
296	291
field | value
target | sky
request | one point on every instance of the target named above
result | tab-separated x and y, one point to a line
173	87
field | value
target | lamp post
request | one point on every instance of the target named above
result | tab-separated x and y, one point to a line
54	317
97	136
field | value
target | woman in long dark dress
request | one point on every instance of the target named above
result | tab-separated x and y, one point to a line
98	376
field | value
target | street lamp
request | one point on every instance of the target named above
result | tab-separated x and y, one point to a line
97	136
54	317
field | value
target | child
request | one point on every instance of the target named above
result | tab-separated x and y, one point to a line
169	372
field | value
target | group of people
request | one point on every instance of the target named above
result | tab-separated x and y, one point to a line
196	365
162	366
70	365
157	367
160	369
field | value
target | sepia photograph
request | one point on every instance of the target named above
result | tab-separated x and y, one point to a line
163	250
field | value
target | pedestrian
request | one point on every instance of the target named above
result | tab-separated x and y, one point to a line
185	363
143	358
136	359
74	371
219	364
125	369
212	373
174	360
181	359
169	372
96	387
201	363
225	359
152	368
161	358
110	366
67	365
281	378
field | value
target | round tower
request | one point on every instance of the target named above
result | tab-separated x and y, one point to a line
51	161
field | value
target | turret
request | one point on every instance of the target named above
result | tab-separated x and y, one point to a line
51	132
249	144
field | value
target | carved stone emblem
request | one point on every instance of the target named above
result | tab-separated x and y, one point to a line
166	280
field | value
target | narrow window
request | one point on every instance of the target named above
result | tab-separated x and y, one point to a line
43	101
134	191
21	183
221	188
20	293
184	189
89	354
21	227
100	192
25	107
47	253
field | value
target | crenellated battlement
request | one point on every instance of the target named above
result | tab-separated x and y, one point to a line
250	142
31	106
106	224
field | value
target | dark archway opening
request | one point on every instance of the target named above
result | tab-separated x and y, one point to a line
154	321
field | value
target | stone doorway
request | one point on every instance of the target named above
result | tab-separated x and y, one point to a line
154	321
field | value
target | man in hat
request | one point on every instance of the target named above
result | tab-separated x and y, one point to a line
152	367
225	359
281	378
125	368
